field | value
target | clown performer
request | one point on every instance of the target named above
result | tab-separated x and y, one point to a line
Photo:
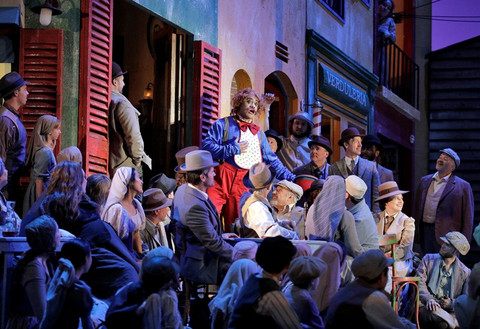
238	144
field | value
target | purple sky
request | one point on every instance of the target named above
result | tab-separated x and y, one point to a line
447	33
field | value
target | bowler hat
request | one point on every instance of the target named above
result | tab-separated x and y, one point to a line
302	116
259	176
387	190
347	134
180	155
452	154
272	133
11	82
154	199
372	139
161	181
116	70
323	142
198	160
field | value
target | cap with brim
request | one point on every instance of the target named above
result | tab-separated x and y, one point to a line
259	176
180	155
302	116
117	70
370	264
372	139
323	142
452	154
292	187
349	133
387	190
11	82
198	160
273	134
458	241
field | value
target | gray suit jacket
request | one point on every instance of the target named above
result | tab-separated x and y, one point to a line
367	171
203	236
385	174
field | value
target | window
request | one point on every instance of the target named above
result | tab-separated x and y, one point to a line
336	6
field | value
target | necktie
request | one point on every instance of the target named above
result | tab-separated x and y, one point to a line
244	125
352	165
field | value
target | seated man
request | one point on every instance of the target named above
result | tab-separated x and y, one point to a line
260	302
364	222
284	200
256	219
156	206
198	218
362	303
443	277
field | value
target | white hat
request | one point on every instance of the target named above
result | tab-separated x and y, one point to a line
356	187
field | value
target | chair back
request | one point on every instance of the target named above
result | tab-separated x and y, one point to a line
389	240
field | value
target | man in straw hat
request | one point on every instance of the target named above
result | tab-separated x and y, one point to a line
14	92
363	303
443	277
126	142
197	216
444	203
256	214
241	143
353	164
296	149
320	150
372	148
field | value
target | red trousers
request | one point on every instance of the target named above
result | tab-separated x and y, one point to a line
227	191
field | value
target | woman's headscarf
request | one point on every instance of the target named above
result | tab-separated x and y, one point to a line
332	254
71	153
41	234
119	186
303	249
236	276
328	208
43	127
244	250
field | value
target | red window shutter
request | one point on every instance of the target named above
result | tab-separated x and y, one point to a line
94	88
41	63
207	81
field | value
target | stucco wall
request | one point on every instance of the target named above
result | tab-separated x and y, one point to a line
247	33
354	36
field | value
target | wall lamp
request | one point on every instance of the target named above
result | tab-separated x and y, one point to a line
148	92
316	106
46	11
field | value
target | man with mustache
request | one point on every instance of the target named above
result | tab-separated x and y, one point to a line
238	144
444	203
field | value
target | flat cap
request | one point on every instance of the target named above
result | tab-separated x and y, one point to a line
452	154
458	241
294	188
306	268
370	264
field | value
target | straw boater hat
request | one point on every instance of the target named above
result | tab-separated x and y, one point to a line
387	190
349	133
11	82
198	160
259	176
180	155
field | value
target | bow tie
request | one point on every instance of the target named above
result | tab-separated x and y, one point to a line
244	125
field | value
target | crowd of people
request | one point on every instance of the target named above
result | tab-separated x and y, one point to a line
236	215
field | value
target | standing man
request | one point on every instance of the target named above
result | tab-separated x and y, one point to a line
444	203
372	148
241	143
126	142
196	214
320	150
296	151
443	277
352	164
13	136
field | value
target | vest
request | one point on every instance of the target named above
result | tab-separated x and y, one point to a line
244	315
16	153
345	310
244	231
431	203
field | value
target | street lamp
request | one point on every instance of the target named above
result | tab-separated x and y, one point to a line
46	11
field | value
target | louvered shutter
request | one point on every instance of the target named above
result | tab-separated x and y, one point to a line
94	86
207	80
41	63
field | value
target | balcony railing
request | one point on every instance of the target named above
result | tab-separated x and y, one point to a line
399	73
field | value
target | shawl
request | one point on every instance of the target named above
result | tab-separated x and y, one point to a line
434	281
71	153
332	254
236	276
43	127
328	208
